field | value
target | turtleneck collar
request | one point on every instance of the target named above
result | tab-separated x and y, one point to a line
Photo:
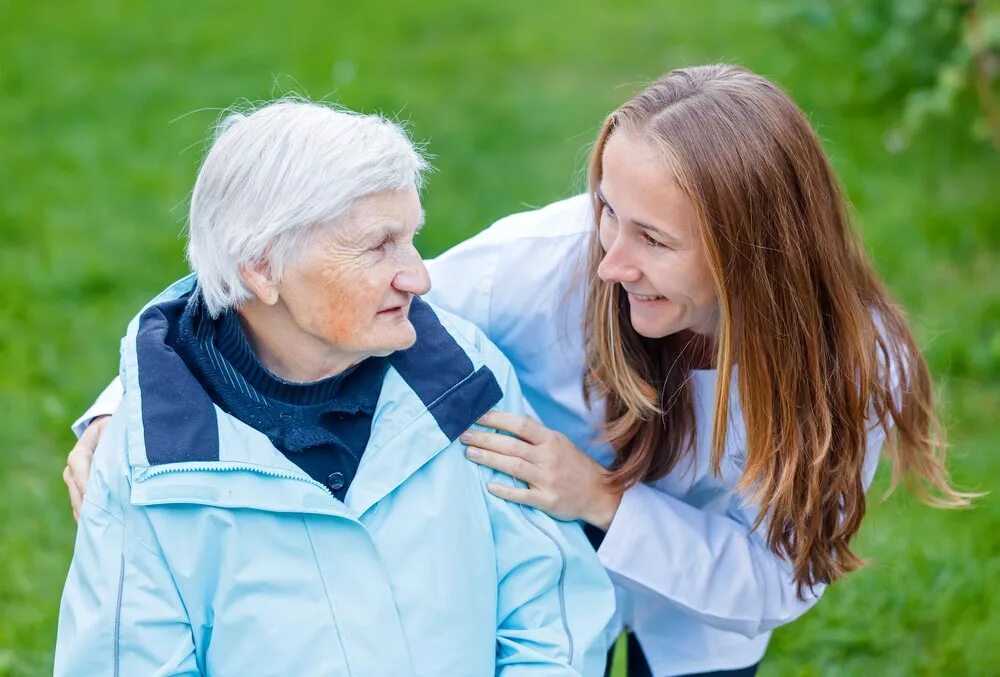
226	336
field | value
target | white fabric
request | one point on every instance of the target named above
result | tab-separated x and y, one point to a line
104	405
700	591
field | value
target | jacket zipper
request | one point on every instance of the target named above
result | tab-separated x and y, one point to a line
217	466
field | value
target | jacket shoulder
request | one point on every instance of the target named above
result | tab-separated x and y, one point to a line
473	341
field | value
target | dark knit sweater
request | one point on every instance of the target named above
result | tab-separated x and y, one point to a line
323	427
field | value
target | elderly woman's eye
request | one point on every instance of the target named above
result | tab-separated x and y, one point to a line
383	244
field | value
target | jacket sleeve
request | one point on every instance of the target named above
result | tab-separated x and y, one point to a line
709	564
554	598
104	405
121	613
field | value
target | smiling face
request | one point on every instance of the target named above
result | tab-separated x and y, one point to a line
649	232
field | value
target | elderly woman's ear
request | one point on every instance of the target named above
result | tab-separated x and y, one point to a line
259	279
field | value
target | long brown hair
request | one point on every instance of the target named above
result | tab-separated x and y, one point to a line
821	351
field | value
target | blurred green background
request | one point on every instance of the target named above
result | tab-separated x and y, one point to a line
104	109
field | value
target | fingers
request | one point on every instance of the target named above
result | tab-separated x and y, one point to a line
96	428
78	462
524	427
504	444
520	495
75	498
511	465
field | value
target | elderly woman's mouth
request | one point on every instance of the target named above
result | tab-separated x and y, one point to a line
400	310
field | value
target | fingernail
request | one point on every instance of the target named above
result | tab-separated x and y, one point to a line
465	438
472	452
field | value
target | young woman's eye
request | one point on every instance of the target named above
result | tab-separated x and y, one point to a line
650	242
606	208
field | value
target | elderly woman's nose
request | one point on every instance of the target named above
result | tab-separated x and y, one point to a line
413	278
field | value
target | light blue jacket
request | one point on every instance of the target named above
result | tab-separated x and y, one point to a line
202	550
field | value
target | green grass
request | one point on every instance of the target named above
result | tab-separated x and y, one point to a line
103	113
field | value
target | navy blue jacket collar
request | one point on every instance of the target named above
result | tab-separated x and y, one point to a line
179	420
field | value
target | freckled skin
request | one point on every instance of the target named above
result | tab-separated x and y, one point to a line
667	260
326	315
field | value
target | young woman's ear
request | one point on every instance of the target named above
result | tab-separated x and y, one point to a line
259	278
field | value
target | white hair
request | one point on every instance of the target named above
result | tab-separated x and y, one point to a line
274	173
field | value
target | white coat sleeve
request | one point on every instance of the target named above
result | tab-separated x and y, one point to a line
462	280
104	405
121	613
711	565
554	599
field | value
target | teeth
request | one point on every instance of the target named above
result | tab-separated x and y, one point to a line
646	298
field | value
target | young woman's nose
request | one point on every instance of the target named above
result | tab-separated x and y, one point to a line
617	266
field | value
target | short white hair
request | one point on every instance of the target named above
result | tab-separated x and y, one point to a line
275	172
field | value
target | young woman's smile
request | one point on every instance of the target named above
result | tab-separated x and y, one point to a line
649	231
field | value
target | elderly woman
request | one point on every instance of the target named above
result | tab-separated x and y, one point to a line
282	490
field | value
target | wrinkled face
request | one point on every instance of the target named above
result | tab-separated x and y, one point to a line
352	287
649	232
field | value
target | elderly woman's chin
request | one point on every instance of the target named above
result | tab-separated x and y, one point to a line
390	331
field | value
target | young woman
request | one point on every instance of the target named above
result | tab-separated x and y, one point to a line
713	362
